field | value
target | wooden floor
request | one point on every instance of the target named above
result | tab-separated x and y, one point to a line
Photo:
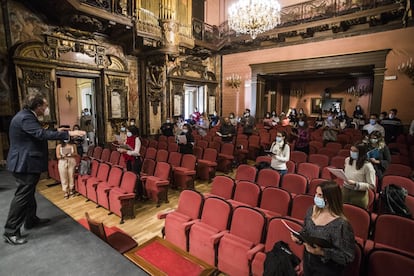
145	225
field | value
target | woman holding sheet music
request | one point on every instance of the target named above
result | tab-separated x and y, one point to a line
325	221
379	154
185	140
280	151
361	176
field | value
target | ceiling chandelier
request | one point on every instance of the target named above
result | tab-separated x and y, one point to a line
254	17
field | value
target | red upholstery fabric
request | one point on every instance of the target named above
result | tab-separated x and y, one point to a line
123	192
214	219
398	169
102	190
387	262
360	220
92	182
237	248
151	153
157	186
189	208
254	146
265	158
319	159
97	152
338	161
222	186
291	166
294	183
174	159
114	157
335	146
354	268
309	170
401	181
246	172
162	145
162	155
313	184
206	167
246	193
275	202
268	177
225	158
300	204
80	184
172	147
184	174
277	231
298	157
106	153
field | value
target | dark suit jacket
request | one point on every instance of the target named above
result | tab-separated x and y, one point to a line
28	151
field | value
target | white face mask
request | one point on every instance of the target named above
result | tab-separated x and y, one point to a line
278	139
46	112
301	123
185	130
168	121
129	134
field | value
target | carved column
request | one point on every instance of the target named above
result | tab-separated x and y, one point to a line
376	99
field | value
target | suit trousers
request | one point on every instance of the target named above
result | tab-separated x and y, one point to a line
23	206
67	173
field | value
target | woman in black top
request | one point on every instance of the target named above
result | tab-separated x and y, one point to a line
187	147
326	220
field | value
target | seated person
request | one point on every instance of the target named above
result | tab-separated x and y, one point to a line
227	131
167	128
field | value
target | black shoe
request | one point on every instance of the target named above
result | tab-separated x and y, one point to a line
39	222
14	239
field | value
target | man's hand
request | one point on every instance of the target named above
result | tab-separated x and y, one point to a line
74	133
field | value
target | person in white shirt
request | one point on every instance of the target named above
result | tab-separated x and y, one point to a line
373	125
280	153
361	177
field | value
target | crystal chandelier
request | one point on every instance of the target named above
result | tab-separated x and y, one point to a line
254	16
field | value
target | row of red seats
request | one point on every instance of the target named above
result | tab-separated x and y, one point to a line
236	239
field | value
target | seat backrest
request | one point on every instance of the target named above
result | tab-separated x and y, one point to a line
354	268
115	175
268	177
359	218
291	166
394	231
153	144
227	148
401	181
222	186
300	204
106	153
316	144
210	154
328	152
96	227
242	144
248	223
148	167
173	147
334	145
190	203
162	138
246	172
202	143
128	182
313	184
162	145
90	151
174	158
247	193
151	153
319	159
276	200
162	170
216	213
277	231
398	169
198	152
254	140
171	139
114	158
383	262
294	183
162	155
214	145
298	157
188	161
266	159
94	167
103	172
338	162
97	152
343	152
309	170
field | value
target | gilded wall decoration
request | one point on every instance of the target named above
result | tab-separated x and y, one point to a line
155	85
133	87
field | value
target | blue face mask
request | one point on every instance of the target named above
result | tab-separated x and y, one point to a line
278	139
123	129
319	202
372	121
354	155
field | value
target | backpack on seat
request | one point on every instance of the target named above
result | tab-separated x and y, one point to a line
280	261
393	201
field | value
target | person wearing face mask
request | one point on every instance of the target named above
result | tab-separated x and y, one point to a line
267	121
379	154
86	123
214	119
373	125
66	153
280	151
227	131
167	128
203	125
393	126
361	176
326	220
302	136
26	160
131	153
275	118
358	116
233	119
330	129
248	122
186	145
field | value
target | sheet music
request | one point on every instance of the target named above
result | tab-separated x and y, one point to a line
338	173
182	139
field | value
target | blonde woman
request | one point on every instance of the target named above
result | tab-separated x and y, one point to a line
66	153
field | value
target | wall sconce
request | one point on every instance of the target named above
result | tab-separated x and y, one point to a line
407	68
233	81
358	91
297	92
68	97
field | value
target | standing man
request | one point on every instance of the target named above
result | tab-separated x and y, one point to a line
393	126
247	122
86	122
27	159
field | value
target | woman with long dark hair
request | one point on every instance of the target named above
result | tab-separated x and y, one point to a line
280	151
326	220
361	176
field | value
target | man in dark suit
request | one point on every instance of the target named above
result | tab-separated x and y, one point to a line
27	159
